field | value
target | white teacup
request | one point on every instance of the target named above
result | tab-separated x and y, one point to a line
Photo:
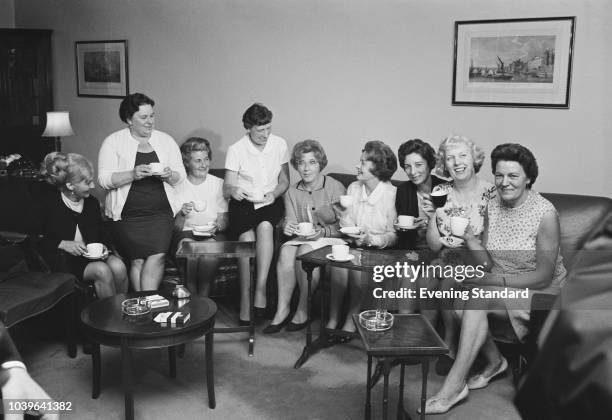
95	249
199	205
346	200
340	252
405	221
458	225
305	228
156	167
257	195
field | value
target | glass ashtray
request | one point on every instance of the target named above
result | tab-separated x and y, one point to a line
376	320
135	307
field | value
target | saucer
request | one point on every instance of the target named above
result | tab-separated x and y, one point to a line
405	227
305	235
331	257
202	234
203	228
99	257
451	241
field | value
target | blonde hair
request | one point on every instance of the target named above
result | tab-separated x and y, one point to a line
478	154
60	168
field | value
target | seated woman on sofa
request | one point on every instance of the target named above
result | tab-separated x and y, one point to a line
520	247
468	195
309	200
70	218
373	211
413	198
200	197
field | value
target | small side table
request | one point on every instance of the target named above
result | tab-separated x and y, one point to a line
225	249
411	337
105	324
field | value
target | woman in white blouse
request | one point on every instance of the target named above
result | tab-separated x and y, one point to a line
201	199
373	211
256	177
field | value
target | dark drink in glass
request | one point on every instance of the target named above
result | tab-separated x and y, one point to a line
438	198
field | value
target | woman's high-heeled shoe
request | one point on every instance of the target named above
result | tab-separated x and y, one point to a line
274	328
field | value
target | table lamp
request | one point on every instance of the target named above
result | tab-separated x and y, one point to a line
58	125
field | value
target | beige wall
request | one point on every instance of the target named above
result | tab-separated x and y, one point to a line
342	72
7	14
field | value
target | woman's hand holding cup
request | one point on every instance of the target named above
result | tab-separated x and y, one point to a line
166	174
141	171
290	229
187	208
73	247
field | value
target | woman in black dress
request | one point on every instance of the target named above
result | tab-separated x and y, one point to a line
70	219
139	167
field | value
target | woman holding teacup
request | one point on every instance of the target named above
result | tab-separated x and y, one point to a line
70	221
256	176
413	201
203	208
519	250
373	214
309	215
139	167
467	198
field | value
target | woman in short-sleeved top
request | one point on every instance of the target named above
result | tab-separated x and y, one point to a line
468	196
256	177
201	199
519	252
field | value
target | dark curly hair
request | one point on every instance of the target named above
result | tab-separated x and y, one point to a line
383	159
417	146
131	103
194	144
256	114
515	152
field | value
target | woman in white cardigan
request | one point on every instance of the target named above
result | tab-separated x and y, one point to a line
139	167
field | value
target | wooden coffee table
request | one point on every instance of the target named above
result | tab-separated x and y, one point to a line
412	338
105	324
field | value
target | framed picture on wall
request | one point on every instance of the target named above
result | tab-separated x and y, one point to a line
513	62
102	69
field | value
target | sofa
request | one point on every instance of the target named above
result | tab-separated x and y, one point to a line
27	286
581	217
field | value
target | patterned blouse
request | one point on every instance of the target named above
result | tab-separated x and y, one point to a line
512	236
475	211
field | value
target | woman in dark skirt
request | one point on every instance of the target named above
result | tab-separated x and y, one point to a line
71	218
140	166
256	177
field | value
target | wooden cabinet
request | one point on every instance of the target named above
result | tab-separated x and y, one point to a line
26	91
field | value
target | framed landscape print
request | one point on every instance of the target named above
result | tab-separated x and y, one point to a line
513	62
102	69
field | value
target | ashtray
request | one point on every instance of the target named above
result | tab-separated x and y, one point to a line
135	306
376	320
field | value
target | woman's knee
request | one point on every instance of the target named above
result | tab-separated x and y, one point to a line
286	257
98	272
158	259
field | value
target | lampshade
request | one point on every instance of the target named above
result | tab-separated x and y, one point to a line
58	124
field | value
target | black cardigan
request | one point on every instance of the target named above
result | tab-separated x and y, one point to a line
407	203
57	222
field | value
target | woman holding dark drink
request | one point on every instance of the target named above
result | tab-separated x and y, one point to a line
418	159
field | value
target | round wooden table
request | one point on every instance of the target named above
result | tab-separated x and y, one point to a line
105	324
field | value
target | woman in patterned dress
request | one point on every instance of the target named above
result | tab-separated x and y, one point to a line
468	195
520	252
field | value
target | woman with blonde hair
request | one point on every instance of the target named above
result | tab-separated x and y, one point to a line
70	218
468	195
